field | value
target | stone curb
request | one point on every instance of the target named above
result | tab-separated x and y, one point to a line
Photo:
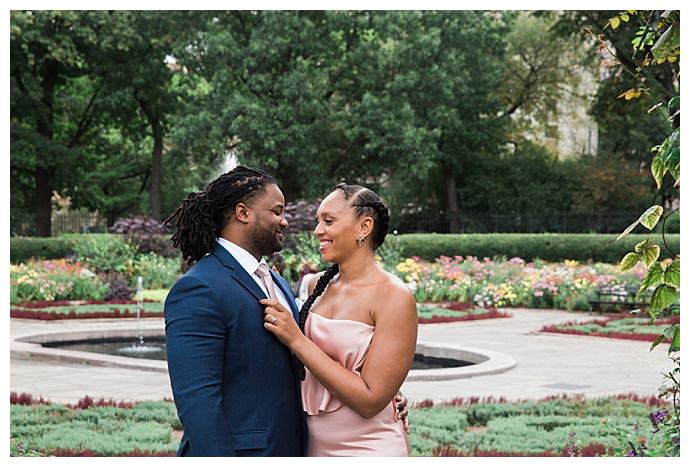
29	345
486	362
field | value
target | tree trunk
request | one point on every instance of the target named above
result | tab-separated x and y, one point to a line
44	173
154	120
451	200
156	169
43	179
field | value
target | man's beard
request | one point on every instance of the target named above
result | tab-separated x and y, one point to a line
265	241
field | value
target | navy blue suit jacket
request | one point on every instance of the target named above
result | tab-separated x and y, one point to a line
235	385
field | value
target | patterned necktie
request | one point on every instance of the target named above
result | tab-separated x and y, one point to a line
263	272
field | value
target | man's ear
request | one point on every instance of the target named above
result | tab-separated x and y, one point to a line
243	213
366	225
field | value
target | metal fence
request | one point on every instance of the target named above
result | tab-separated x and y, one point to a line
67	222
79	222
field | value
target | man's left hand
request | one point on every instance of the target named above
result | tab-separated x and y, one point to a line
401	406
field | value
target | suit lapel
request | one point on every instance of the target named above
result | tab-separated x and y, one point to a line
280	282
238	272
245	280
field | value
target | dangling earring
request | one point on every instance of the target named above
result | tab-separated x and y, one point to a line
360	241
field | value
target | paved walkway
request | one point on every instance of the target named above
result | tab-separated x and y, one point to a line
547	364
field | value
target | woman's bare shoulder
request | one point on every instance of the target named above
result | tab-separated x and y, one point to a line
396	292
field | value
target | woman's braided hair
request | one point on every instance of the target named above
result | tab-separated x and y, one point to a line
203	214
365	202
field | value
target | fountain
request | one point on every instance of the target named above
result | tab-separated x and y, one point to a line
138	349
433	360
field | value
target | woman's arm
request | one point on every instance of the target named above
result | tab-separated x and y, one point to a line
388	360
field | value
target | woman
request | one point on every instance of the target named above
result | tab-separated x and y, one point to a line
356	334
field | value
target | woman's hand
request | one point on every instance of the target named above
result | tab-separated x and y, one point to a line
280	322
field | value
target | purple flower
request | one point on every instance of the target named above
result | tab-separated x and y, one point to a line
631	453
658	417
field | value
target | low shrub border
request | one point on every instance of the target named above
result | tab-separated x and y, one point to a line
555	426
49	311
590	450
431	313
580	328
92	428
548	247
435	429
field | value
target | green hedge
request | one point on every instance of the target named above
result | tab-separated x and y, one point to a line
548	247
23	248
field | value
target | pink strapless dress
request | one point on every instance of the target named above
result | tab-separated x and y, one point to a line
335	430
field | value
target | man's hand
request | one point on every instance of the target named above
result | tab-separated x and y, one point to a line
401	406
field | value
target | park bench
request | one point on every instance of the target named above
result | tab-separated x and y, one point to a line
619	297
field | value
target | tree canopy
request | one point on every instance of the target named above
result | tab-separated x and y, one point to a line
125	111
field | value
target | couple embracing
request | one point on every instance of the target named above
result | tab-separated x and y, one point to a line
253	375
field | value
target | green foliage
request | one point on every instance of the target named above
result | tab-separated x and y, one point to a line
24	248
158	272
525	427
106	253
54	280
390	253
663	84
384	98
549	247
151	307
303	257
431	311
106	431
157	295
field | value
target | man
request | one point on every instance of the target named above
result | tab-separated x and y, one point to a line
236	387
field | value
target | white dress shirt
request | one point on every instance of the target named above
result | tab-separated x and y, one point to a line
250	264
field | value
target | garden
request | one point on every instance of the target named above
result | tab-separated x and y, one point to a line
626	425
510	185
97	278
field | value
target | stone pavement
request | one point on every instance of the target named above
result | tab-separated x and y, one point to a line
547	364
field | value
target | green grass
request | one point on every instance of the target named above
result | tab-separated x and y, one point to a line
100	307
427	312
157	294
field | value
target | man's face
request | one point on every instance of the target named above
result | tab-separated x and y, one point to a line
269	220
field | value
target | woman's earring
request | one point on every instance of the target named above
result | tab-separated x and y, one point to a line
360	241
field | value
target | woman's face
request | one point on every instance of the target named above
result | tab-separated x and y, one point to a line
337	228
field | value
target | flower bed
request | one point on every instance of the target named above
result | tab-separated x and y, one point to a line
500	283
446	313
54	280
85	309
640	329
554	426
91	428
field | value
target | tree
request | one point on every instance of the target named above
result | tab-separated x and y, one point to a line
50	51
